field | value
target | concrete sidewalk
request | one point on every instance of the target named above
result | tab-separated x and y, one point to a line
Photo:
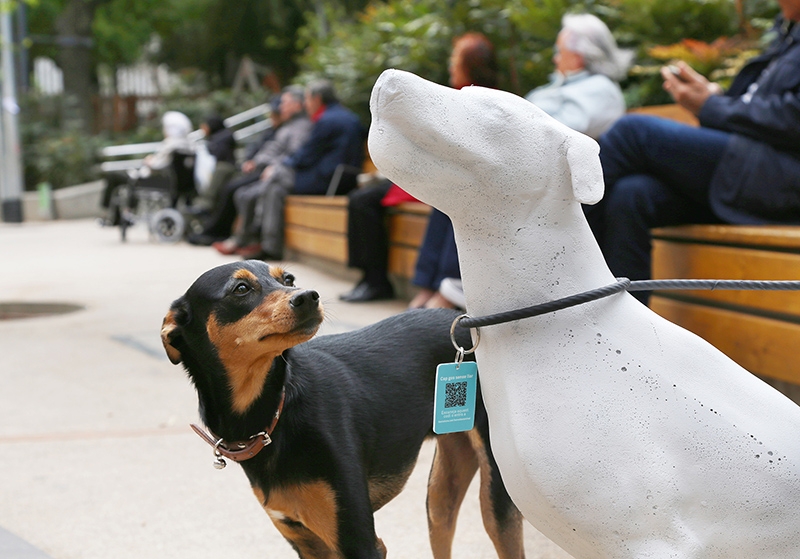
96	457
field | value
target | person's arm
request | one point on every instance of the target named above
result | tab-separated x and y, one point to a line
290	137
771	118
318	143
688	88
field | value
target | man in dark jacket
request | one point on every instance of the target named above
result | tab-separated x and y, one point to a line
741	165
337	137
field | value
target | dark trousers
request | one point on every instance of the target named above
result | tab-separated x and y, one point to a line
657	173
438	256
223	214
367	237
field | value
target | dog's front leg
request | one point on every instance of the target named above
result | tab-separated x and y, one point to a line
356	525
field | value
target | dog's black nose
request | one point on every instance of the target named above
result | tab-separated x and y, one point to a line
307	297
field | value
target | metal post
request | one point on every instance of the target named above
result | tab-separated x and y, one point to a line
23	44
12	153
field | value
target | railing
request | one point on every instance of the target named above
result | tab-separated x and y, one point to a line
149	147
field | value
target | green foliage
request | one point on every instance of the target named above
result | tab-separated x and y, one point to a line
60	156
416	36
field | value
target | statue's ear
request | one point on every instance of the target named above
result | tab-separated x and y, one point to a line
584	166
172	328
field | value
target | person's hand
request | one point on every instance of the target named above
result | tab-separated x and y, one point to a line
267	173
248	166
688	88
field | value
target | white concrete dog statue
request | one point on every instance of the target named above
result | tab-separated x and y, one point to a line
618	434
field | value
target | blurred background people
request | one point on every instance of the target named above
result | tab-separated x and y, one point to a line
741	165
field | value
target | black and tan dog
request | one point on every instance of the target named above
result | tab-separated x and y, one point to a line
328	429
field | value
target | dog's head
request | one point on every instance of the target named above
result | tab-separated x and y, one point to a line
463	149
238	318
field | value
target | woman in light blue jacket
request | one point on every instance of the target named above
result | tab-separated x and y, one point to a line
584	92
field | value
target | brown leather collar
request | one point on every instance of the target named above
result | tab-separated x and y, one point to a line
239	451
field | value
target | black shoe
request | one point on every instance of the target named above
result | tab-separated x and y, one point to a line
201	239
360	286
366	292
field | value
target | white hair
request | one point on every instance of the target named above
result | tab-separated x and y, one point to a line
590	37
175	125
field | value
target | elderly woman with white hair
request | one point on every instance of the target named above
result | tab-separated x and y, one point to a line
584	92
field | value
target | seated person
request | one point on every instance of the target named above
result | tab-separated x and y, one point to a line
337	137
741	165
472	62
368	238
218	224
176	127
220	146
584	95
584	90
291	135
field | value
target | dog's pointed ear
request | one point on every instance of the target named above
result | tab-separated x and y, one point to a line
172	328
584	166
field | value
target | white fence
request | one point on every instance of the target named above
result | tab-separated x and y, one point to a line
48	79
141	80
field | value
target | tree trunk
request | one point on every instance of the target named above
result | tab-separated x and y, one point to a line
74	29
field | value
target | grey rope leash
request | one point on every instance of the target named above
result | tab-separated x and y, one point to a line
622	284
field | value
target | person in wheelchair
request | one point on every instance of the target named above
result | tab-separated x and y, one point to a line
176	153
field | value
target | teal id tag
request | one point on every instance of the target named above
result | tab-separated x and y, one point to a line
454	397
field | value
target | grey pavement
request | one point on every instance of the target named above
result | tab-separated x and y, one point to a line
96	457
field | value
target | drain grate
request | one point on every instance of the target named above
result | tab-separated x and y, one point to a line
13	310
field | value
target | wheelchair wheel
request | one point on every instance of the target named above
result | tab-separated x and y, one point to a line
167	225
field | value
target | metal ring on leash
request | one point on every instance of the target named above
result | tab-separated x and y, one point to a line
460	351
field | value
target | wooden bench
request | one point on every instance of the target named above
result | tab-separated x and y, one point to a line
757	329
760	330
316	226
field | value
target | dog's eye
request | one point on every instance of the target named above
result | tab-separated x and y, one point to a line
288	280
241	289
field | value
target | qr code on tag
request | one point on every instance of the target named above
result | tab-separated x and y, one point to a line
455	394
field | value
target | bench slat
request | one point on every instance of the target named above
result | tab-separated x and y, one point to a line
700	261
761	345
402	261
332	219
331	246
777	236
407	229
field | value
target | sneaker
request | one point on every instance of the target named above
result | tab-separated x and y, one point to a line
453	290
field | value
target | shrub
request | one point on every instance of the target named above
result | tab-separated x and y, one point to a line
416	36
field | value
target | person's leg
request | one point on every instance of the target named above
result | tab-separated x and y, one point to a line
634	205
367	237
656	172
427	266
447	266
271	209
220	222
682	157
368	243
246	200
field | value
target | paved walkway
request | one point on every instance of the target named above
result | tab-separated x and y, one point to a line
96	457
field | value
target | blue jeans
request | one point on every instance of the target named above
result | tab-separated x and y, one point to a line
438	256
657	173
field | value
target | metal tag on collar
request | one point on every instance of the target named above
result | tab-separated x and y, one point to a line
220	462
267	441
455	390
